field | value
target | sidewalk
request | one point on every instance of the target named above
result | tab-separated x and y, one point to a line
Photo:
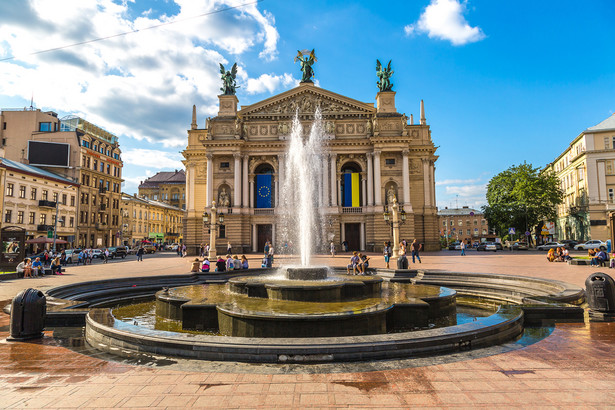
573	367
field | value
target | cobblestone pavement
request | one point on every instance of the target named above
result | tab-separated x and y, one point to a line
573	367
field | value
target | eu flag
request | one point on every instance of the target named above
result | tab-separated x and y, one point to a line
263	191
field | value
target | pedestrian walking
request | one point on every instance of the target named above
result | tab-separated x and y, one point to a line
416	248
463	248
140	253
332	248
388	252
106	255
229	248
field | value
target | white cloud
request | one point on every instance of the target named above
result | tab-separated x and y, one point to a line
141	85
458	181
467	190
145	157
270	83
443	19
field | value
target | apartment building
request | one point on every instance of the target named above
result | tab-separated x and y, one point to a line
146	219
80	151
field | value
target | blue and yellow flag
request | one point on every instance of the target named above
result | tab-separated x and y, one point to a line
351	189
263	191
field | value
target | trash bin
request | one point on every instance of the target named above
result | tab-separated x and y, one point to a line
402	262
600	293
28	311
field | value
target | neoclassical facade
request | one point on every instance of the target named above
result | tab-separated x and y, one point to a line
374	154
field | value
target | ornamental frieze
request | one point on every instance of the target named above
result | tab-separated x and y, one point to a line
307	104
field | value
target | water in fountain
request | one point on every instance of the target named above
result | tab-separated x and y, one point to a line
301	195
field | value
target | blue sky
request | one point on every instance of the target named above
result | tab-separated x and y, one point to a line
503	82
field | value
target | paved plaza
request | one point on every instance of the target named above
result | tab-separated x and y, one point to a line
574	366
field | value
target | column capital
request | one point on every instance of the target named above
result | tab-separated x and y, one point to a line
405	152
369	155
237	155
209	156
377	152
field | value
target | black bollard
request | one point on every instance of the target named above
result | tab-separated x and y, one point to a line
600	293
28	311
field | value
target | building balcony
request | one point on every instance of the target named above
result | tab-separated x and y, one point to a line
352	210
102	207
261	211
101	226
44	228
102	190
46	204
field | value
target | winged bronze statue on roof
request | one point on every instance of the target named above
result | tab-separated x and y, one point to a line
307	58
384	74
229	85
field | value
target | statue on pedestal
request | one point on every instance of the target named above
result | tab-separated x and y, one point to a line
306	64
228	80
384	74
391	197
224	199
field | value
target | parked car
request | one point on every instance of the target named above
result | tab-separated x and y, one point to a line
550	245
486	246
71	255
520	246
498	246
97	253
570	244
148	248
592	244
454	245
118	252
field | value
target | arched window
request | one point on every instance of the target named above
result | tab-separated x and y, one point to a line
263	186
350	185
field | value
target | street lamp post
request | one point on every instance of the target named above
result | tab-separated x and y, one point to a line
395	220
213	224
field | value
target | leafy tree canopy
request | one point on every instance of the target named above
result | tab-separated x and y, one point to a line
522	196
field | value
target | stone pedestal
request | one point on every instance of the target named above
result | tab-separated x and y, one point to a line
385	102
228	105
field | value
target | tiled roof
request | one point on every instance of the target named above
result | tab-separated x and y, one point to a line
35	170
608	124
172	177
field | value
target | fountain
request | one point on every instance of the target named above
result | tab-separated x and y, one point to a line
305	313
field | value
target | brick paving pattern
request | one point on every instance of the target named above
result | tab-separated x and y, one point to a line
573	367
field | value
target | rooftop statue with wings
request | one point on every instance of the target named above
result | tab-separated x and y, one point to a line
384	74
229	84
307	58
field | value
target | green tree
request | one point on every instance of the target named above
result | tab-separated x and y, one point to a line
522	197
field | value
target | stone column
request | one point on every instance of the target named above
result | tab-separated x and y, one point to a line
210	180
432	183
370	179
363	190
334	189
251	193
405	175
237	181
190	194
362	236
245	183
377	182
325	183
277	193
339	191
254	238
426	178
343	232
282	169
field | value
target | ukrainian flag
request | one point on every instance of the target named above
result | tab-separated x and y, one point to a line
351	190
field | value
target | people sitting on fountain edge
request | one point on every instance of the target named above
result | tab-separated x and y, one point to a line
599	258
354	262
206	266
363	263
236	263
220	265
230	265
244	262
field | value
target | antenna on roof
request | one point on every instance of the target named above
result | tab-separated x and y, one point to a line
32	102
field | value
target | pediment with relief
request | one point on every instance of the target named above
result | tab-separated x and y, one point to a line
306	99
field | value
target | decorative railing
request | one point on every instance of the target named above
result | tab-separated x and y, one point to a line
352	210
263	211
